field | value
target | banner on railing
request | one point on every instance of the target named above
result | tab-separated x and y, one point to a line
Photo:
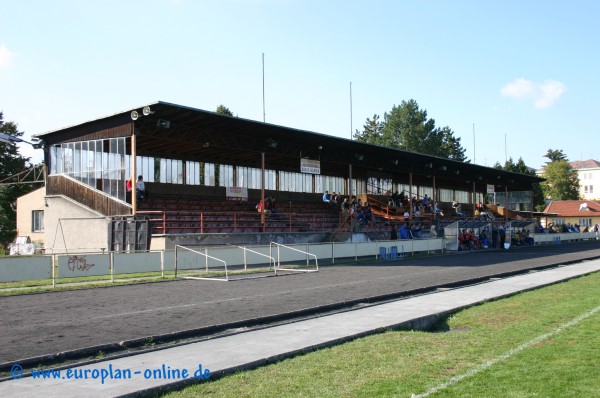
237	193
310	166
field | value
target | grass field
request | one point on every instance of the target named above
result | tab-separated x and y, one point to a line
543	343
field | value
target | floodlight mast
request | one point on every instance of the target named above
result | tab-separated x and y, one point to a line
12	140
9	139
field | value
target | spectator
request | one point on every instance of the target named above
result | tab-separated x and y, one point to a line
437	210
393	233
404	232
406	216
271	204
457	208
327	198
415	231
484	239
262	204
128	190
502	235
140	189
426	203
345	205
368	213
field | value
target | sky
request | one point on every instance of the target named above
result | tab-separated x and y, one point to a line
512	79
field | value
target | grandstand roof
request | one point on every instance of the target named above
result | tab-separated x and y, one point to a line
199	135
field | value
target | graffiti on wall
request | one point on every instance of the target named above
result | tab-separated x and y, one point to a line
79	263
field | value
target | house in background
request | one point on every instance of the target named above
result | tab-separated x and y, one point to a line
588	172
30	215
585	213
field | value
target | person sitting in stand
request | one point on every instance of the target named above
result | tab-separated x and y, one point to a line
327	198
402	198
457	208
140	189
345	206
415	231
404	232
262	204
426	203
368	213
393	233
465	240
437	210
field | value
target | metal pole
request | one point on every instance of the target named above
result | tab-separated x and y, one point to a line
263	87
473	143
350	110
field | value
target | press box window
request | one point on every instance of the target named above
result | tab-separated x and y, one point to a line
37	221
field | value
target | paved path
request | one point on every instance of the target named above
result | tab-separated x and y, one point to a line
39	324
260	346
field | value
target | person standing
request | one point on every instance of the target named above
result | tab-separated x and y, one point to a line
393	233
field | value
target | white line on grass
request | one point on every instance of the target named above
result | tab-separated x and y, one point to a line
506	355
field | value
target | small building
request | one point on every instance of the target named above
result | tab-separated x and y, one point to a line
588	172
584	213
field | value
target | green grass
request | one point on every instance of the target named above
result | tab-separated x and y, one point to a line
84	282
400	363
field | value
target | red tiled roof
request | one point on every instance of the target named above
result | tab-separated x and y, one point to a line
570	208
585	164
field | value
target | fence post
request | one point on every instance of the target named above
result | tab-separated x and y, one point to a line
111	264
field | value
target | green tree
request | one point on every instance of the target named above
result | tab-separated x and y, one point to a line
223	110
11	163
407	127
561	182
522	168
555	155
371	131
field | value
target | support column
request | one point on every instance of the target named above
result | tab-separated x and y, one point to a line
410	196
474	196
350	182
133	171
262	192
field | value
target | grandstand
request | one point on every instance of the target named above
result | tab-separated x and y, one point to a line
192	160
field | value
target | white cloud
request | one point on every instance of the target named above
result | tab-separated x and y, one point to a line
543	95
6	56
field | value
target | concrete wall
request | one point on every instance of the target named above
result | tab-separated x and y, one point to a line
73	228
25	205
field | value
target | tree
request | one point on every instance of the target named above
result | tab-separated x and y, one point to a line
407	127
11	163
562	182
555	155
223	110
371	131
522	168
